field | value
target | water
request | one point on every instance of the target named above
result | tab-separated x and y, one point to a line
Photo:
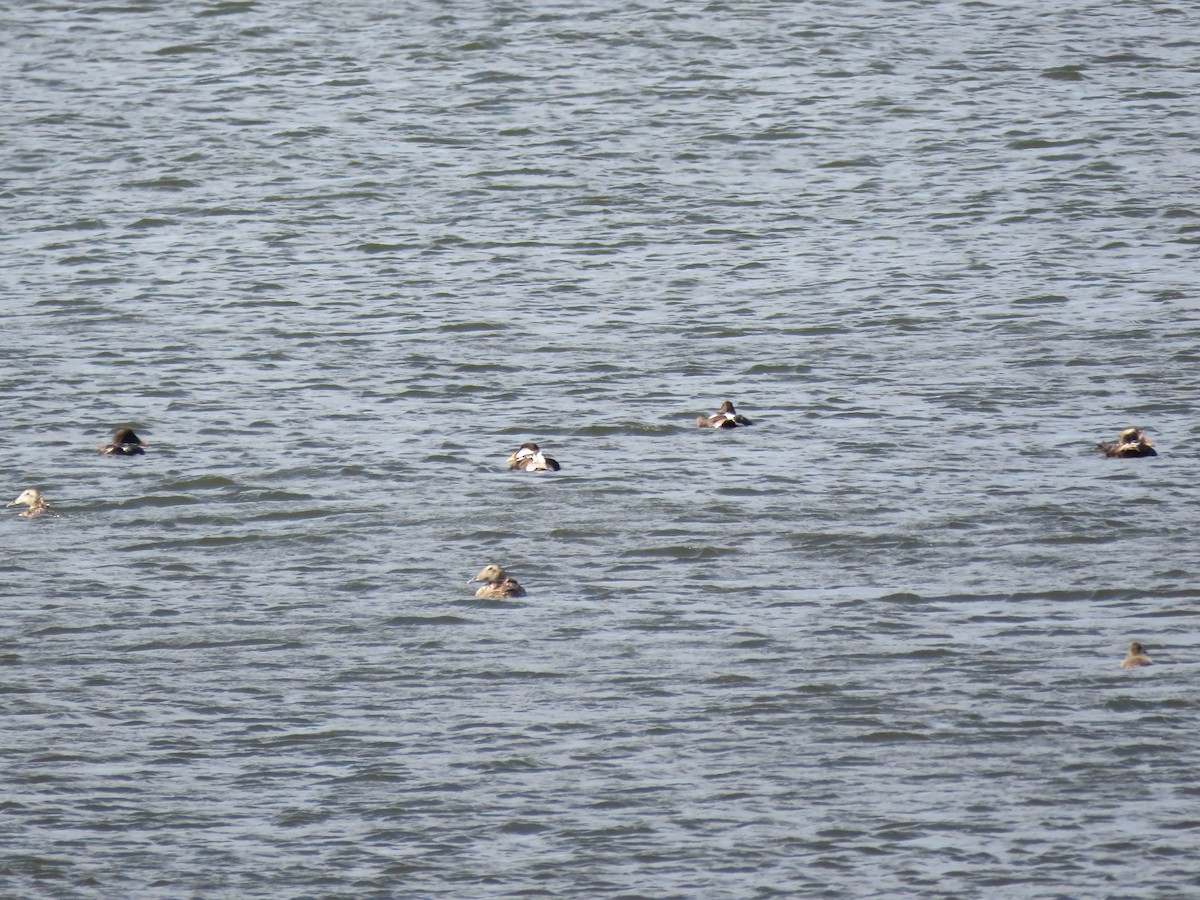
334	264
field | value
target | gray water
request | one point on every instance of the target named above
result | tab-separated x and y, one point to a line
334	262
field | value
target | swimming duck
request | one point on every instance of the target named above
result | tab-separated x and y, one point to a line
528	458
36	502
1135	657
124	443
1131	443
728	417
496	583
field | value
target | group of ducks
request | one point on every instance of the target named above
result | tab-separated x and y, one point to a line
526	458
531	458
124	443
495	583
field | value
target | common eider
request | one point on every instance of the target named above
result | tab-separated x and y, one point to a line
496	584
1132	443
1135	657
528	458
124	443
727	417
36	502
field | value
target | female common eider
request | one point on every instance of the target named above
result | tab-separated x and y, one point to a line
124	443
1132	443
1135	657
528	458
36	502
728	417
496	584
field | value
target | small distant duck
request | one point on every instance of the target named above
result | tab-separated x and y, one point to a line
728	417
124	443
528	458
1131	443
1135	657
496	583
36	502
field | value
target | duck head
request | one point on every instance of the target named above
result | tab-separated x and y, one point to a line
491	572
126	436
31	498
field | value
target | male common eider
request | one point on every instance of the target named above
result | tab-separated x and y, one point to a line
528	458
496	584
124	443
1131	443
728	417
36	502
1135	657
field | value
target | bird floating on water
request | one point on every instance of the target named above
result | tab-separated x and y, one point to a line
1135	657
36	502
528	458
496	583
124	443
1132	443
727	417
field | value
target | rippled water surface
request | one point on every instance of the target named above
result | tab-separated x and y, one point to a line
333	262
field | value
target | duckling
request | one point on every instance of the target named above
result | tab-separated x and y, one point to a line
528	458
1131	443
1135	657
36	502
727	417
496	583
124	443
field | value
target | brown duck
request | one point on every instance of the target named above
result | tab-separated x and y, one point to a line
496	584
1131	443
124	443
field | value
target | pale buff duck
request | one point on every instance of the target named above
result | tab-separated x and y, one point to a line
1135	657
36	502
496	584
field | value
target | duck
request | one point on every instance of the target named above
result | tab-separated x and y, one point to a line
36	502
496	584
727	417
1135	657
1132	443
124	443
528	458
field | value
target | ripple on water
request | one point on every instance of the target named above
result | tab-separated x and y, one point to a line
879	632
